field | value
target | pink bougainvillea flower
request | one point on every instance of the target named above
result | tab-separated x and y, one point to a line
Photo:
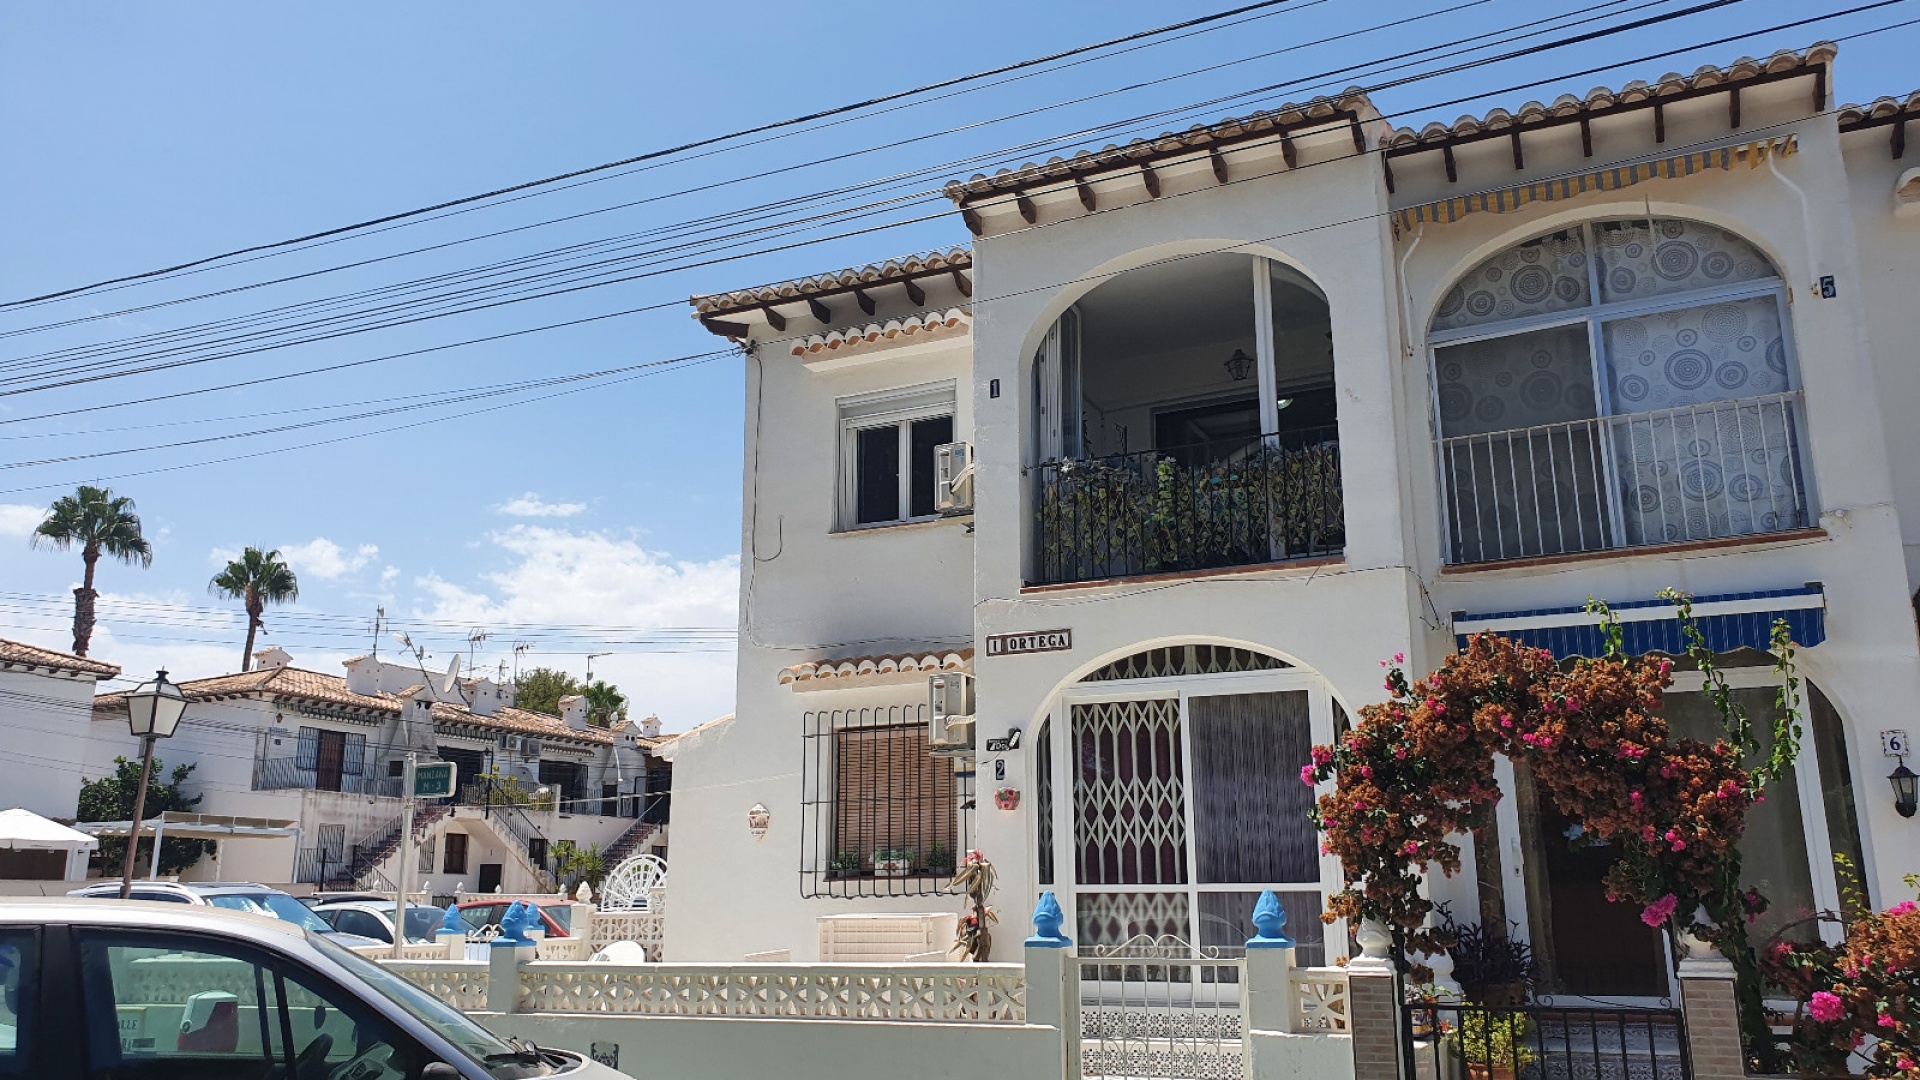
1657	913
1826	1007
1904	907
1306	775
1904	1064
1886	1021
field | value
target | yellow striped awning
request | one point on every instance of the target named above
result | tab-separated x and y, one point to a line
1753	155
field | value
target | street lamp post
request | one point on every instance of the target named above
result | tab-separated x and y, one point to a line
153	712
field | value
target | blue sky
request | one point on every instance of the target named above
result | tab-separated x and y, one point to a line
140	136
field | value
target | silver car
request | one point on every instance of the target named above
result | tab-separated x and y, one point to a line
233	896
374	919
146	989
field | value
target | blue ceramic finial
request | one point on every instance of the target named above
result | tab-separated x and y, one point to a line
1269	924
451	922
515	924
1046	925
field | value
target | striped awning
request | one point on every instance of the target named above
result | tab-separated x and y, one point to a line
1728	621
1753	155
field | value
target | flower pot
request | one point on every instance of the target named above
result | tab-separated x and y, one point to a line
1489	1072
891	867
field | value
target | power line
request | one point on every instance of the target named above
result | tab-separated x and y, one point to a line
665	152
1866	7
589	284
864	210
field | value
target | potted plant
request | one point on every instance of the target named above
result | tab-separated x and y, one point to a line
845	864
940	861
892	862
1492	1044
1492	968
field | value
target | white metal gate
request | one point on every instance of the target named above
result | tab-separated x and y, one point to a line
1157	1009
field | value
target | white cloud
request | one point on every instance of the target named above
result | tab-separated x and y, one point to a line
556	576
531	505
326	560
388	576
17	519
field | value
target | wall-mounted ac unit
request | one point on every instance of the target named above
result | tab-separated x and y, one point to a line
950	730
953	478
529	747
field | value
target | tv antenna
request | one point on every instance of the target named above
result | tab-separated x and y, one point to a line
379	616
520	648
475	637
590	658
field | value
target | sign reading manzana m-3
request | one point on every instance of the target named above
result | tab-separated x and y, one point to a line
1035	641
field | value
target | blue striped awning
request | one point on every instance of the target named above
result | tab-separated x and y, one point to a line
1729	621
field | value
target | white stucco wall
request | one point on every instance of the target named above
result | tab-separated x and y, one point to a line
44	718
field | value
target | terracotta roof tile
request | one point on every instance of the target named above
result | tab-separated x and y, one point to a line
298	684
926	324
820	671
1880	109
1197	137
1601	99
958	258
21	653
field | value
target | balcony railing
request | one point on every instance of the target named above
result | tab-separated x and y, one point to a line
284	773
1160	511
1697	472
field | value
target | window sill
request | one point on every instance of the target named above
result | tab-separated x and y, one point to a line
1728	543
876	887
1254	569
907	524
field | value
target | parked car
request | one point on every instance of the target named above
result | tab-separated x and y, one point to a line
481	914
233	896
316	899
95	991
374	919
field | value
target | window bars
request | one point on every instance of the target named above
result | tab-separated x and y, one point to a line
880	815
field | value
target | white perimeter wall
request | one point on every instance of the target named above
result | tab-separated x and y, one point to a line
43	739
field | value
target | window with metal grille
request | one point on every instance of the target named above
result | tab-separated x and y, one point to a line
1178	660
881	815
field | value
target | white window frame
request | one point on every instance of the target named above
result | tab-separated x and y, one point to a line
898	408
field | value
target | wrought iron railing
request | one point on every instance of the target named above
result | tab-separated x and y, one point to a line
1697	472
515	823
1545	1042
1176	509
284	773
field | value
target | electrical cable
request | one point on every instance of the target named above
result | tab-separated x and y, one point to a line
665	152
1579	38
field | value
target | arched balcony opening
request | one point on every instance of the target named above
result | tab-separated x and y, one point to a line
1184	419
1617	384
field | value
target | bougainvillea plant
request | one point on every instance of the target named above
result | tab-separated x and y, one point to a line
1860	1000
1417	773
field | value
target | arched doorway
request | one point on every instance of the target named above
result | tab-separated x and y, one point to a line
1169	798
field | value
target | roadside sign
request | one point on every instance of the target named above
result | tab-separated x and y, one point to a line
433	779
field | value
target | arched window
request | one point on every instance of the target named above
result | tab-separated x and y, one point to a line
1616	384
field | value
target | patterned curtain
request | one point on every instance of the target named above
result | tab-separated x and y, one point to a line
1693	462
1689	255
1545	274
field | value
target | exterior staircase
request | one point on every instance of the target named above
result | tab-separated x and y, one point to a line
380	845
630	841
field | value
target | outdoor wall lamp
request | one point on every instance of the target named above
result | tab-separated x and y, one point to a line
1906	788
1239	365
153	712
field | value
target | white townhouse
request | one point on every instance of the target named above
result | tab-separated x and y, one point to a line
46	699
328	753
1204	427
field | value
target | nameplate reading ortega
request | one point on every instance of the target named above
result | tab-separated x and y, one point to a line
1037	641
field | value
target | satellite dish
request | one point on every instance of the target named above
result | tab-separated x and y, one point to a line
453	675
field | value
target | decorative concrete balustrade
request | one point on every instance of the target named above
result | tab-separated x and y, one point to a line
1048	1013
921	993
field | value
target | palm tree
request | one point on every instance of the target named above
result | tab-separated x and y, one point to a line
96	522
604	703
257	579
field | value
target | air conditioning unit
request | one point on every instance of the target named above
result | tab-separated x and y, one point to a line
529	748
953	478
951	728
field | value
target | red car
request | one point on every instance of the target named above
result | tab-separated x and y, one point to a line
479	914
